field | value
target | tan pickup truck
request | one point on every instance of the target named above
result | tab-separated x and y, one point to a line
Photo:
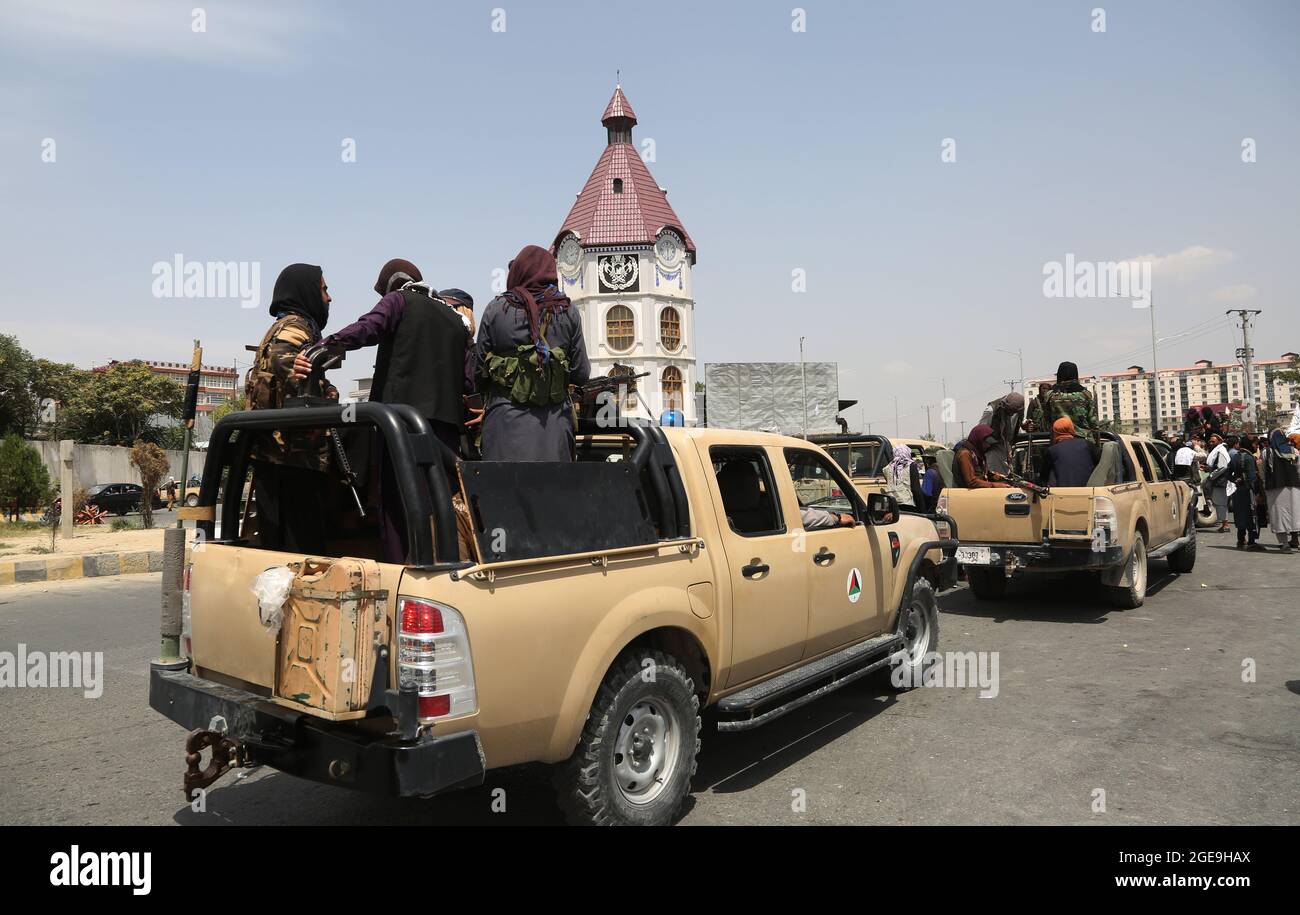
1131	511
578	615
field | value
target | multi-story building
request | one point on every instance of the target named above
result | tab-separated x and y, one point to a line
1132	398
625	260
217	383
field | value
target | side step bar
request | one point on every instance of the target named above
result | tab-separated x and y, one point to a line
1161	552
773	698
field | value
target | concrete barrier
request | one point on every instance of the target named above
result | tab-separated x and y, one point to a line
86	565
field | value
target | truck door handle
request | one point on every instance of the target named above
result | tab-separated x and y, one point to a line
754	569
824	557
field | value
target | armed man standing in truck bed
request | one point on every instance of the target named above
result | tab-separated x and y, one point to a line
423	360
530	349
287	467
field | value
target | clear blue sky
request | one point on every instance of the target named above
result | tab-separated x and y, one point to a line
781	150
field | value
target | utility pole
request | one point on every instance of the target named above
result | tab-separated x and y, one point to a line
1155	366
1247	356
1019	354
928	431
963	429
803	381
1010	383
896	415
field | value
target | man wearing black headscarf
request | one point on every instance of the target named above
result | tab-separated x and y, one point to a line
287	466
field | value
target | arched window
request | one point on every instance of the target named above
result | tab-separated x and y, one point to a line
619	328
670	328
671	384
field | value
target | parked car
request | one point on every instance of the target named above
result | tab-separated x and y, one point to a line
118	498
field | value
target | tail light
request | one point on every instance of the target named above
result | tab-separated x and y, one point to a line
433	656
187	649
1103	518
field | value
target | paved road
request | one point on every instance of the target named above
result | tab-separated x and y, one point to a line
1148	705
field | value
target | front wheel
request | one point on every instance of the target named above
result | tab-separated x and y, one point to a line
636	756
918	624
192	499
1131	596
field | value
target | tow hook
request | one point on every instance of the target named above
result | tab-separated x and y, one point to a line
227	753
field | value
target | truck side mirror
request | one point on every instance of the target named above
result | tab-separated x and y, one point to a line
882	508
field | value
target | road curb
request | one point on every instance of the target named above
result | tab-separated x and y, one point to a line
84	565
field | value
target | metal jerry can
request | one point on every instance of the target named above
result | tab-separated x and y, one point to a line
334	618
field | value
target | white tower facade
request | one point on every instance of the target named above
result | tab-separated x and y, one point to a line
625	260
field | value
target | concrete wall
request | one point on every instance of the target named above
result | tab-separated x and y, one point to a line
108	464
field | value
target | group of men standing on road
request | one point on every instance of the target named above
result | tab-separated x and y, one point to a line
519	360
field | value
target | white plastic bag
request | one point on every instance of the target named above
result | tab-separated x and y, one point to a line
272	590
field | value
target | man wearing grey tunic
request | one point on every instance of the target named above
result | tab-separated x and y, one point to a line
1282	487
531	319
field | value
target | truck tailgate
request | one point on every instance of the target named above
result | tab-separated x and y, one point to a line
319	658
996	515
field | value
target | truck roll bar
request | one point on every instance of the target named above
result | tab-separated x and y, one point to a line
410	445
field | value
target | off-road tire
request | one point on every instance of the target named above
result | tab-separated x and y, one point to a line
986	584
585	784
192	499
1183	559
1131	596
921	641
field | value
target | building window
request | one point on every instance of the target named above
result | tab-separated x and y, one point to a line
619	328
618	185
671	383
670	328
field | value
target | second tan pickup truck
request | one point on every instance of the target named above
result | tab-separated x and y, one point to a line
1131	511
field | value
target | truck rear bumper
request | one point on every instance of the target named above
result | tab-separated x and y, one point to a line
1049	557
319	750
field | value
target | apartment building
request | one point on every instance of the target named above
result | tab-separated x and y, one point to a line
1137	402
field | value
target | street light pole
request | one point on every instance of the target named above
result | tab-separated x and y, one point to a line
803	381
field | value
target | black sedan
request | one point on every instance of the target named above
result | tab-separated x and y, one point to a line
118	498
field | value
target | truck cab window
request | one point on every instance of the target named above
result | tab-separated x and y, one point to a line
817	484
748	495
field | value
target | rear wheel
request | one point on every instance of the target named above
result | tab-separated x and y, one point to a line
636	756
192	499
1183	559
1131	596
987	584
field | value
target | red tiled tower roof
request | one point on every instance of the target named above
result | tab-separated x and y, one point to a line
600	216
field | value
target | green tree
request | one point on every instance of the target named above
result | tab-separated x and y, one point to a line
148	459
24	481
119	405
17	406
230	406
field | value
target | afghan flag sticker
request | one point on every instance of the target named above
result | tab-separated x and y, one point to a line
855	585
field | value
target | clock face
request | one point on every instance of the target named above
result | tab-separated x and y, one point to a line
569	256
669	248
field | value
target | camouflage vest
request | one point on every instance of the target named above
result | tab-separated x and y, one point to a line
1077	405
523	377
269	381
264	387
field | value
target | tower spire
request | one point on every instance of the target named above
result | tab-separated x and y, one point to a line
619	118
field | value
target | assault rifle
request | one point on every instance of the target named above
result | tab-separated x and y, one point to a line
1020	482
323	358
589	392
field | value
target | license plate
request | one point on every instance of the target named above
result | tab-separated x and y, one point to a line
974	555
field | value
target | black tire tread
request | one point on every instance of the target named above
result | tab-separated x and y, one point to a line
579	791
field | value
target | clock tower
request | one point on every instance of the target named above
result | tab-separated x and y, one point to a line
625	261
